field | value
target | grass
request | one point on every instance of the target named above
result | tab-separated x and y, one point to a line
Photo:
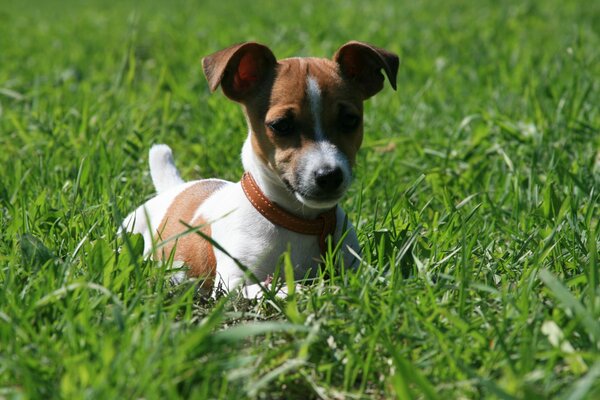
476	202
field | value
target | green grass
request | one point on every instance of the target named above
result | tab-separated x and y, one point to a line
476	203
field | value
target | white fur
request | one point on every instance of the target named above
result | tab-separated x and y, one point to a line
146	218
314	98
257	243
162	168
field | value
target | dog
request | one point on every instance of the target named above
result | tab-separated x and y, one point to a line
305	121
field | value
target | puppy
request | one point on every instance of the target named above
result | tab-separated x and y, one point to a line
305	121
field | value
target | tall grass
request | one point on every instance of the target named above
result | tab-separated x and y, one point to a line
475	199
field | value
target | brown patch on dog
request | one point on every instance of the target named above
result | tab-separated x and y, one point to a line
195	251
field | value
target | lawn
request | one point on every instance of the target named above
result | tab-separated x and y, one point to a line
476	201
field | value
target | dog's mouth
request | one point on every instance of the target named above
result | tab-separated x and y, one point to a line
318	200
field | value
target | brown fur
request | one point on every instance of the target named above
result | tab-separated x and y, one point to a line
196	252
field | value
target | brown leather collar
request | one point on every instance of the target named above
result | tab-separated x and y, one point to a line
322	226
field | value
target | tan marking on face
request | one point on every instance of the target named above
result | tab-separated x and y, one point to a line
287	96
337	98
192	249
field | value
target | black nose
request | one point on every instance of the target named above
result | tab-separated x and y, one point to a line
329	178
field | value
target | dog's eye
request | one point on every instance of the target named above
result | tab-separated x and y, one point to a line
349	121
282	126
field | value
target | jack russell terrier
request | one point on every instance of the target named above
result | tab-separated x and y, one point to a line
305	127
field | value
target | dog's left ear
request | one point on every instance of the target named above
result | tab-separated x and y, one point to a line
239	69
362	63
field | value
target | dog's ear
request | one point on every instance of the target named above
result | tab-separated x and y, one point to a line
239	69
362	63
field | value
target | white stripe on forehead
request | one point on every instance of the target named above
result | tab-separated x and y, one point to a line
314	98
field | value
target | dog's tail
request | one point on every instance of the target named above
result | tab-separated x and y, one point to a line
162	168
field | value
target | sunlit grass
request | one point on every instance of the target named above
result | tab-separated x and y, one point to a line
475	200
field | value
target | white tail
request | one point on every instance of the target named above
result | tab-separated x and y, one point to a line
162	168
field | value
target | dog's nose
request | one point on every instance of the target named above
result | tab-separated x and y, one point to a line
329	178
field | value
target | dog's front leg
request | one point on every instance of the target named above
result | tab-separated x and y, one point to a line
236	281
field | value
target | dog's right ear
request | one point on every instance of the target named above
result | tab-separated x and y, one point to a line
239	69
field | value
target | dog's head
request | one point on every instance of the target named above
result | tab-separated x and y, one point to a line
305	114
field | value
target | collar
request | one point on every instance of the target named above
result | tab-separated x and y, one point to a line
322	226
